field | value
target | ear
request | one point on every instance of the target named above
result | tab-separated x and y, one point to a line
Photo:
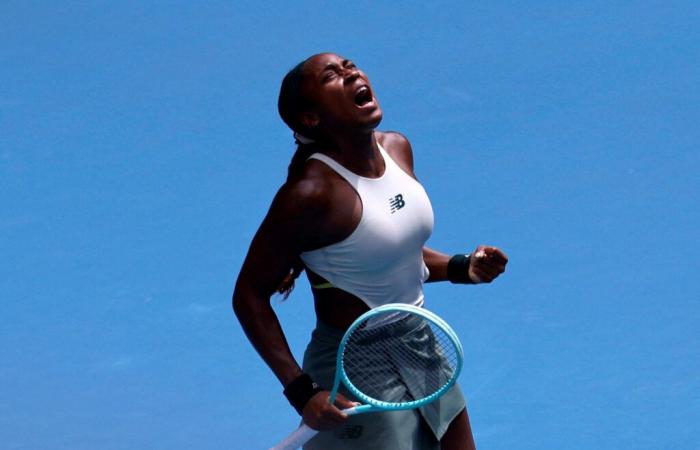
310	120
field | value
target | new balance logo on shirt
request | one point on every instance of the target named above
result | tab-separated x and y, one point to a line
397	202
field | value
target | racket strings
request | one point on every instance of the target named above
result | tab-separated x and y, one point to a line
403	361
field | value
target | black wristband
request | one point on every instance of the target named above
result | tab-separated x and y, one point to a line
300	391
458	269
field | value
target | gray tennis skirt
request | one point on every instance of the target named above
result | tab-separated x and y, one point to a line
416	429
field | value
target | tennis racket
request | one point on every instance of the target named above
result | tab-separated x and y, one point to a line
408	345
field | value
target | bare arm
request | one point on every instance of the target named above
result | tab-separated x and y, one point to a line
437	264
289	228
486	263
272	253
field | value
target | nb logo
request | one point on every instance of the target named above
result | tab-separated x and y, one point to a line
396	203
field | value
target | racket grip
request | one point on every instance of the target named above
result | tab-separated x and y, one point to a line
299	437
303	434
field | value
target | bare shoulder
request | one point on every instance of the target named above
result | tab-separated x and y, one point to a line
399	148
302	198
305	209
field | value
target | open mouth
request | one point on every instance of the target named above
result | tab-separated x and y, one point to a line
363	96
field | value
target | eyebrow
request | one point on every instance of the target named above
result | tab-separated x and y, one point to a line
332	65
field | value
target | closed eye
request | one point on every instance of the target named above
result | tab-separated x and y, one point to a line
333	69
328	76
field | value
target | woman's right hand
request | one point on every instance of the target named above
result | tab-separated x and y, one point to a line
319	414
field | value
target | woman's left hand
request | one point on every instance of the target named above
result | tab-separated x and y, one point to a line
486	263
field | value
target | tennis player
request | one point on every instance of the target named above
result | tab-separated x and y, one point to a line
354	217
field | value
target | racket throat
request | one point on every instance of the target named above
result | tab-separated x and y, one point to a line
358	409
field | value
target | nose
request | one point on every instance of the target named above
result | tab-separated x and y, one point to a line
351	74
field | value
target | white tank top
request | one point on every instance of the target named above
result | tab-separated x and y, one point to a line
382	259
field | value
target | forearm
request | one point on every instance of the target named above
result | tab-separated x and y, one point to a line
485	264
263	329
436	263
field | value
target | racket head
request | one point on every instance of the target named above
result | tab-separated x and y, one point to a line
398	356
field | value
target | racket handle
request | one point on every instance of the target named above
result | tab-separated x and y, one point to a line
303	434
299	437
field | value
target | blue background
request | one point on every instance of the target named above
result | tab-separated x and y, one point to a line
140	147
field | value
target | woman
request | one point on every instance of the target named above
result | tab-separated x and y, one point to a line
354	216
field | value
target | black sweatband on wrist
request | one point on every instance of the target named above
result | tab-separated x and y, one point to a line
458	269
300	391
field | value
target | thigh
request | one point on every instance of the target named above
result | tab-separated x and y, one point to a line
459	434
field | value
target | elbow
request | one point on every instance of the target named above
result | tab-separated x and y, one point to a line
242	309
239	305
240	299
246	304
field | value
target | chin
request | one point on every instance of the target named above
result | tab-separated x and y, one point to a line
375	118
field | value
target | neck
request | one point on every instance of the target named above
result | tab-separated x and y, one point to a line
358	153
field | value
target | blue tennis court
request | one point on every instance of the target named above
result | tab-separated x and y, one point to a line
140	147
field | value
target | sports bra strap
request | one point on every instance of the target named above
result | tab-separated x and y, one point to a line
333	164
